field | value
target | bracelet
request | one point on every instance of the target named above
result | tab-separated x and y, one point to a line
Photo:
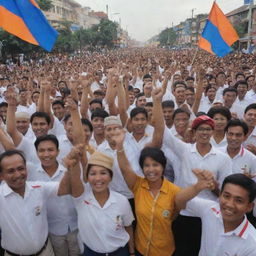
119	151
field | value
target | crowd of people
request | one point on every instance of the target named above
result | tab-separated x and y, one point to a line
128	152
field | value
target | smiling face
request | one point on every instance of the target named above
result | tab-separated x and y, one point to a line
139	123
250	118
47	153
235	137
220	122
40	126
203	133
234	204
98	125
99	178
14	172
152	170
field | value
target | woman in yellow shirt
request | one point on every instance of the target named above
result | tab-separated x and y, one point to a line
157	201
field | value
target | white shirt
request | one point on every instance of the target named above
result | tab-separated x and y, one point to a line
251	94
240	106
222	143
61	212
251	139
23	221
117	183
65	147
205	105
102	229
244	161
215	242
215	161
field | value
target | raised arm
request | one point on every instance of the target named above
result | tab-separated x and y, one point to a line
47	103
199	92
10	120
205	181
129	175
72	162
5	140
122	102
158	119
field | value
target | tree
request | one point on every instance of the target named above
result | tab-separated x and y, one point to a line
45	5
167	37
105	33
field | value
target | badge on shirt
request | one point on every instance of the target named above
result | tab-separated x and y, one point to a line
166	214
37	210
119	222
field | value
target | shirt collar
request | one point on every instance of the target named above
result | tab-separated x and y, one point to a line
58	172
92	200
241	230
164	187
212	151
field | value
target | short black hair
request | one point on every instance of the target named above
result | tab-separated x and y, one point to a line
249	107
220	73
139	95
243	82
249	77
190	78
237	122
147	76
47	137
58	102
168	104
96	101
179	82
219	110
3	104
208	87
243	181
41	115
11	153
154	153
178	111
229	90
149	104
99	113
138	110
240	74
85	121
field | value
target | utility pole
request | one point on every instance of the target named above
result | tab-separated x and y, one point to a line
107	9
192	16
249	25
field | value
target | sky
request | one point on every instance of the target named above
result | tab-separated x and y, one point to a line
146	18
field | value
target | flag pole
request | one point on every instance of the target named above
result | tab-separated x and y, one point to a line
193	60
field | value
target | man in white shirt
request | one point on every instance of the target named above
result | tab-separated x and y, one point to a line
61	213
23	221
250	119
199	155
242	100
243	161
225	228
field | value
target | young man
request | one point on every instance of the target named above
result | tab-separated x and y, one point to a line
168	109
187	229
243	161
250	119
225	228
58	108
23	221
180	122
97	120
61	213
